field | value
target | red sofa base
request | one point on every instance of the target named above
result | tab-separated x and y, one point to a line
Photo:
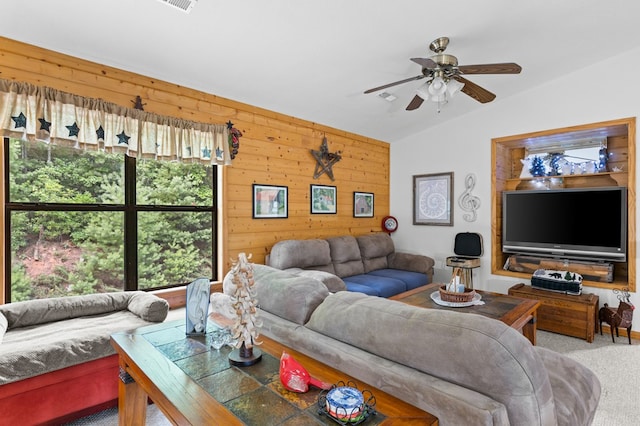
61	396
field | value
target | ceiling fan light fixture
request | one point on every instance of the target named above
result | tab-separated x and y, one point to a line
453	87
437	86
423	91
445	77
440	99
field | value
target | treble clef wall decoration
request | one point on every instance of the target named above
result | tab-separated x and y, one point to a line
468	202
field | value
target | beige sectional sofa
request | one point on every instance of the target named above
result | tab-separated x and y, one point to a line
465	369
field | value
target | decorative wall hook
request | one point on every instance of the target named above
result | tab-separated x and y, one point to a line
325	160
468	202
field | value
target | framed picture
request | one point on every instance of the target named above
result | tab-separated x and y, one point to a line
270	202
324	199
362	204
432	196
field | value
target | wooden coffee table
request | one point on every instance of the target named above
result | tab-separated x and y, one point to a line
516	312
194	384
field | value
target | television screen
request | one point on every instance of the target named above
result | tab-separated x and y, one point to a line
576	223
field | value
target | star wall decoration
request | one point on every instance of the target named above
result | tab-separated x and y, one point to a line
44	124
206	152
73	129
325	160
123	139
20	121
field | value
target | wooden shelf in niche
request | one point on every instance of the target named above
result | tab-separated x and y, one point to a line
568	181
506	153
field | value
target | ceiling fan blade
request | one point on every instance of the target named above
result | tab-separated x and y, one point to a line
476	92
375	89
415	103
425	62
504	68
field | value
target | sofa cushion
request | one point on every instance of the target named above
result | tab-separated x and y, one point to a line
374	249
288	296
345	254
361	288
148	307
33	312
510	370
333	282
305	254
3	326
383	286
410	279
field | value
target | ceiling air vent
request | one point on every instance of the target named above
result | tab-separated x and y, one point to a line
183	5
387	96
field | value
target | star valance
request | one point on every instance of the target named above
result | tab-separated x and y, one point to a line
32	112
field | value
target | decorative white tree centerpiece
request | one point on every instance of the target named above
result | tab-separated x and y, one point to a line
245	329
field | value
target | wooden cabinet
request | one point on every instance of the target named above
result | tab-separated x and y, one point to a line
506	153
563	313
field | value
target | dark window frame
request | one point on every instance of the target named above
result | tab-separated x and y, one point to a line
130	210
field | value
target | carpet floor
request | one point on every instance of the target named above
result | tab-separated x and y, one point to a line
617	365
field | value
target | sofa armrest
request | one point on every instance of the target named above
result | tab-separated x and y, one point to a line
412	262
148	306
333	282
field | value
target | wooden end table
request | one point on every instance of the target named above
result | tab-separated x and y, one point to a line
193	384
516	312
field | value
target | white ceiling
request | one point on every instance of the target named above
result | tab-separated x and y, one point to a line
313	59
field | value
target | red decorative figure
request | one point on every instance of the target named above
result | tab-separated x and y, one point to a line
295	378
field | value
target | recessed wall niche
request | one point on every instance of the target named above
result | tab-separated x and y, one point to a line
508	153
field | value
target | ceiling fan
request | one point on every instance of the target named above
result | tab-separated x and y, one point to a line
444	76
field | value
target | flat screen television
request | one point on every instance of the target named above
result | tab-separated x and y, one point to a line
576	223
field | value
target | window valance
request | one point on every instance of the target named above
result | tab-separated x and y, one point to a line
32	112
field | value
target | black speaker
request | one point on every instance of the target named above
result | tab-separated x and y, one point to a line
468	244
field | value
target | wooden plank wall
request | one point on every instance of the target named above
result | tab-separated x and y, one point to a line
275	149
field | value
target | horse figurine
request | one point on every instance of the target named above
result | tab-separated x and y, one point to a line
620	317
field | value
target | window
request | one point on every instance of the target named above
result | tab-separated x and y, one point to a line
81	222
